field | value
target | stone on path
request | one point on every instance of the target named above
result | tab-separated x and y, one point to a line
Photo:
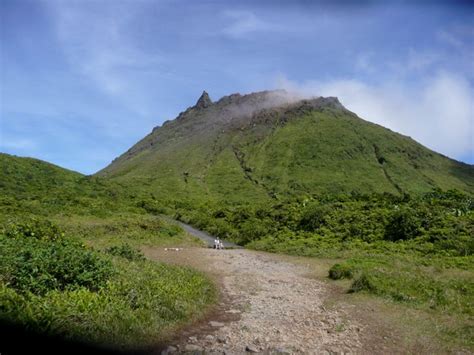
251	349
192	347
216	324
233	311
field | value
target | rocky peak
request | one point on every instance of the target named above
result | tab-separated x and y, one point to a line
204	101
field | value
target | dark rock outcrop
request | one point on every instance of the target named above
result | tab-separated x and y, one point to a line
204	101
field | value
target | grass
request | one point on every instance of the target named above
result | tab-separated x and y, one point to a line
134	229
311	182
285	153
97	286
436	290
404	280
415	252
405	326
141	305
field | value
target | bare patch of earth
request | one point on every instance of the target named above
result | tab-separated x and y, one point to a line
267	305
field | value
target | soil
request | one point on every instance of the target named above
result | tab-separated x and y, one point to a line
277	304
267	305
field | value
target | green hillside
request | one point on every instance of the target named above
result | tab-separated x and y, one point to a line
310	178
70	259
301	177
19	176
33	186
268	146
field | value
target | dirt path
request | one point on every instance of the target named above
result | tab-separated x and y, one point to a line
267	305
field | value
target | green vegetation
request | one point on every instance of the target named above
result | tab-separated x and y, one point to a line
71	264
309	179
31	186
414	251
135	229
54	284
437	223
340	271
126	251
37	258
280	154
313	179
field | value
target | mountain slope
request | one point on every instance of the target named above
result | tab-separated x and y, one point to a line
268	145
28	177
34	186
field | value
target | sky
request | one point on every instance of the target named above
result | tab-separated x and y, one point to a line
82	81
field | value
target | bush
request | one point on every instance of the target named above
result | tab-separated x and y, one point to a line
170	230
140	305
363	283
37	260
340	271
313	218
151	206
33	228
250	230
402	225
126	251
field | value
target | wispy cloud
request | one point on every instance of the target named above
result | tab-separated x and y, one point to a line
242	23
97	44
438	112
363	62
459	41
457	36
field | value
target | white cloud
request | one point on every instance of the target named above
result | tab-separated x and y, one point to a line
243	23
459	36
449	38
364	62
417	59
96	42
459	41
437	113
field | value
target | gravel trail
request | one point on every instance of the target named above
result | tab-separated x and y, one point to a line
267	306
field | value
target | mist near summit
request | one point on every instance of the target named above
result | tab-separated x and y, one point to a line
114	70
437	112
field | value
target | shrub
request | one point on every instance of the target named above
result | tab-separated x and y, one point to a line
402	225
363	283
34	260
126	251
33	228
340	271
313	218
252	229
171	230
140	305
151	206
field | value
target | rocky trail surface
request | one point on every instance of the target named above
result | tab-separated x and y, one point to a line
267	305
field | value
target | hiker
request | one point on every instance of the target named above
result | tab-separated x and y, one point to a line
218	244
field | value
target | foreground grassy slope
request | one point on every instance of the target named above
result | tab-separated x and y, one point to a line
236	151
54	285
70	264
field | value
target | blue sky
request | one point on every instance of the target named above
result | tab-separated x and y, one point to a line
81	81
